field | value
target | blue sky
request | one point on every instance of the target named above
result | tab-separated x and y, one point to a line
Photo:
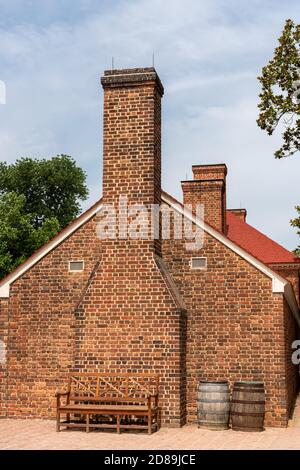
208	54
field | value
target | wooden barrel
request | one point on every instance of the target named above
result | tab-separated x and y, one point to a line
213	404
248	406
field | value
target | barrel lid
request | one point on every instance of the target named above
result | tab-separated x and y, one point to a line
249	382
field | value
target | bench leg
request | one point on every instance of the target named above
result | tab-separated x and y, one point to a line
118	424
57	421
150	423
87	423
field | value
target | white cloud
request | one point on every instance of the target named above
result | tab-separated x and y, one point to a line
207	53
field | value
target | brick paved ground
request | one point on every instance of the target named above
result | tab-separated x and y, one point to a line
40	434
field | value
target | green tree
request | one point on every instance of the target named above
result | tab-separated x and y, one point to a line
37	199
280	91
296	223
52	188
18	238
280	96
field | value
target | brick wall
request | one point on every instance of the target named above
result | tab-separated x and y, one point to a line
129	319
237	329
122	313
3	346
108	318
291	332
119	314
41	340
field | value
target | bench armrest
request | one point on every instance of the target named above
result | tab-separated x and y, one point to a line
61	394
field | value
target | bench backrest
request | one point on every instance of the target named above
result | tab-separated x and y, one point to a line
114	386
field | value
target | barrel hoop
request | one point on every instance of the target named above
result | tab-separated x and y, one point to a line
249	383
203	400
208	382
219	413
247	428
213	422
245	402
253	390
212	427
201	389
254	415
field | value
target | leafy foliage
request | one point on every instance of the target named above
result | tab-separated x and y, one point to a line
52	188
37	199
296	223
280	93
280	96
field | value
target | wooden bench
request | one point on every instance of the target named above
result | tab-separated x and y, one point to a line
108	400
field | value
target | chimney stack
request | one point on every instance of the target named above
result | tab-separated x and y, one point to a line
208	188
132	135
132	139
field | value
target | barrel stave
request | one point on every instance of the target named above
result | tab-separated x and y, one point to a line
213	405
248	406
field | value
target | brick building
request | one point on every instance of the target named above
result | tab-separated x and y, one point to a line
228	310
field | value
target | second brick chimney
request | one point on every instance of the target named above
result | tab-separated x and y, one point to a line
208	188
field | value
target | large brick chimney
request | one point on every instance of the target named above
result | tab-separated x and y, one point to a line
132	138
132	135
208	188
131	318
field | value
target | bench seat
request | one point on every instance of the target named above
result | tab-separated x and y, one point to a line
129	400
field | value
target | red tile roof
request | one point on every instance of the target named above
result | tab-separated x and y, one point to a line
256	243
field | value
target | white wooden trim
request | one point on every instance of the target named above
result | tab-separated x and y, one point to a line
4	290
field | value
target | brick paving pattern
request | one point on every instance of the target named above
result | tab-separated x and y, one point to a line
41	434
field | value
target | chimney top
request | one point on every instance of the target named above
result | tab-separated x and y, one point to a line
240	213
131	77
208	188
216	171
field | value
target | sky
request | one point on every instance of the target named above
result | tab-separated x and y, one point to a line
208	54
